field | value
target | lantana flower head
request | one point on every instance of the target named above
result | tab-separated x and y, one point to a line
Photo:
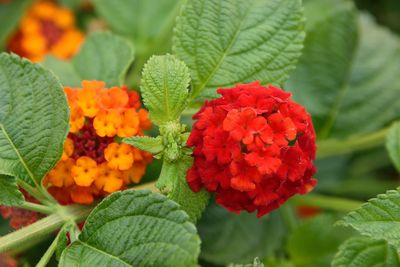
46	29
93	163
254	147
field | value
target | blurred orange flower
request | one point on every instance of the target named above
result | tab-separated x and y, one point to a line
46	29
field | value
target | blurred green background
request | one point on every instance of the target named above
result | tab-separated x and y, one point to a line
387	12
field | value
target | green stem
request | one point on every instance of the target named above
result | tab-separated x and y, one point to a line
49	252
40	193
37	194
332	147
36	207
326	202
49	198
42	228
74	233
148	186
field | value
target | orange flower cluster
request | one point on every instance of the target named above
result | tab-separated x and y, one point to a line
93	163
46	29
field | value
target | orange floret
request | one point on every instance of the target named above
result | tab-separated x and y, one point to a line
77	118
135	173
68	149
87	101
130	123
34	45
64	18
66	48
109	180
113	98
145	122
85	171
30	25
60	175
119	156
72	94
107	123
44	10
82	195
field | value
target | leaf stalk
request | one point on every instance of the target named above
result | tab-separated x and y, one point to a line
333	147
326	202
36	207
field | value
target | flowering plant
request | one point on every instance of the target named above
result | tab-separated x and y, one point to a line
213	132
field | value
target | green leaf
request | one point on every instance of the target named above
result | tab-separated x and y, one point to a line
378	218
135	228
34	119
172	181
315	242
148	24
9	193
339	79
324	66
393	144
73	4
64	70
103	56
225	42
365	252
164	88
10	15
365	106
228	237
153	145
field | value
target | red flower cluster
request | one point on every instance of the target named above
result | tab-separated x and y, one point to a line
20	217
254	147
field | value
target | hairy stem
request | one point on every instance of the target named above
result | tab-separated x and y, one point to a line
332	147
74	233
326	202
34	192
42	228
36	207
